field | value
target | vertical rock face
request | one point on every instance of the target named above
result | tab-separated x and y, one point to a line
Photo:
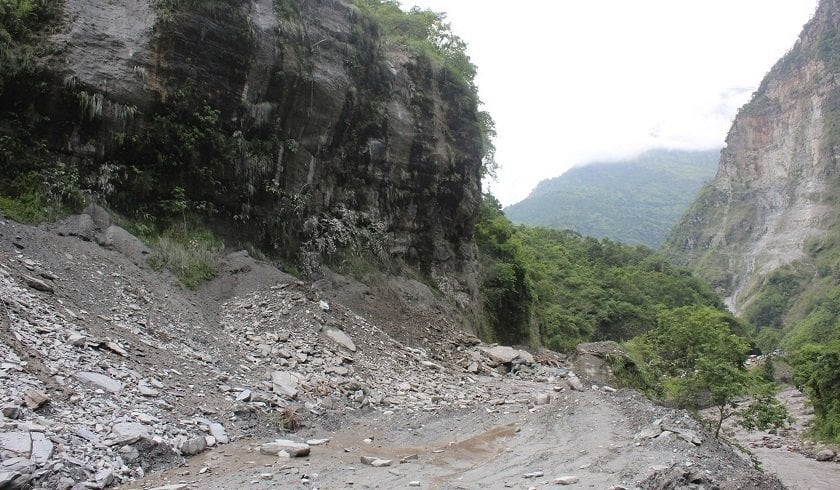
778	173
312	135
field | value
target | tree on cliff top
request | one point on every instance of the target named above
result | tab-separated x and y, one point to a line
429	33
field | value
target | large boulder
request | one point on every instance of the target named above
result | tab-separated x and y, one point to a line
596	361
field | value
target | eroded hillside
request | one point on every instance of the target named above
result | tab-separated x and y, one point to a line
776	186
113	373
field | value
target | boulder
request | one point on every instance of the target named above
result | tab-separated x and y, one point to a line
126	431
503	354
42	448
575	383
101	381
193	445
285	383
217	430
37	284
341	339
11	412
595	360
294	449
16	442
826	455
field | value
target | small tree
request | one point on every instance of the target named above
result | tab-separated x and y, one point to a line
700	361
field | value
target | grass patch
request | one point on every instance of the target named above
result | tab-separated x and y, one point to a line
35	197
360	267
188	251
28	208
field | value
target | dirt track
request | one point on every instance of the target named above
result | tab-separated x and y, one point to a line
588	435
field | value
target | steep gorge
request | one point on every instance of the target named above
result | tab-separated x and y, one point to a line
774	195
290	124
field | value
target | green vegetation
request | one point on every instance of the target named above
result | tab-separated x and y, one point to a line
424	31
772	303
557	288
695	359
32	188
188	251
636	201
797	309
427	33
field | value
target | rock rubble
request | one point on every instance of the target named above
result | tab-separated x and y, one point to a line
106	377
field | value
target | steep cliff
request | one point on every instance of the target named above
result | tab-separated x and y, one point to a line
290	124
776	188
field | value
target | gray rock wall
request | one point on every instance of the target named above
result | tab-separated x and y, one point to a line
777	176
334	140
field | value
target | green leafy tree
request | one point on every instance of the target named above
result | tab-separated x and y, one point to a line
818	374
698	355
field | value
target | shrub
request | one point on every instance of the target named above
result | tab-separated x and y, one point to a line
189	252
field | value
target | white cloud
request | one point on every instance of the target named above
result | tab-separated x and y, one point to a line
572	81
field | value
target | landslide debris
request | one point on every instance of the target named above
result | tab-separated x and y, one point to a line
113	373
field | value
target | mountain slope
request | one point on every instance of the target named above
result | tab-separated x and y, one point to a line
766	230
776	187
635	201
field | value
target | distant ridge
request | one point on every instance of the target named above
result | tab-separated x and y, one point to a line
635	201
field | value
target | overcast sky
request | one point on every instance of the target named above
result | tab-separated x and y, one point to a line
572	81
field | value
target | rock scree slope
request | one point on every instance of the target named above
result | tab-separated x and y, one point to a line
114	375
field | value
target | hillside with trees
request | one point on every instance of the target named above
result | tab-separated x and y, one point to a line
558	288
634	201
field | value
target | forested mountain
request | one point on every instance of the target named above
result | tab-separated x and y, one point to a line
558	288
765	231
634	201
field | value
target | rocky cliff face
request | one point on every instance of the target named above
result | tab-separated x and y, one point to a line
291	122
777	179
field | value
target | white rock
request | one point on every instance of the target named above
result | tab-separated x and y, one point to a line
567	480
42	448
193	446
76	339
317	442
16	442
575	383
542	399
217	430
285	383
294	449
105	382
341	339
129	430
376	462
